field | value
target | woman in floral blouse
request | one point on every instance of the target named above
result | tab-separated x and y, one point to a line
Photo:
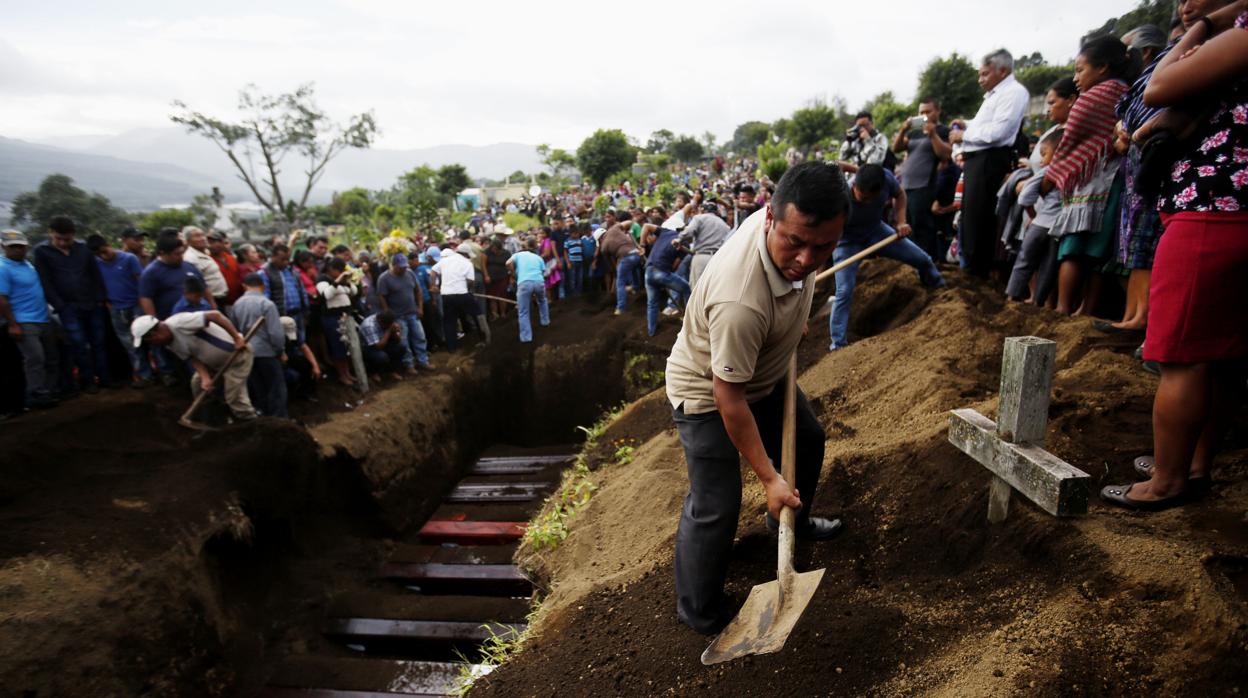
1198	317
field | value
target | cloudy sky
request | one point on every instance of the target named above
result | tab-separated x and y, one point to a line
483	72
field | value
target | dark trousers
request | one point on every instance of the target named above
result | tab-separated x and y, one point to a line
923	223
1037	257
456	307
708	520
87	329
267	386
388	359
12	378
985	171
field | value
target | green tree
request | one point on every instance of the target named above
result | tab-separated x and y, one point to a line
749	135
813	125
270	128
888	113
603	154
685	149
453	178
352	202
954	82
660	141
709	140
57	195
1155	12
556	159
774	168
781	128
417	185
517	176
1037	77
162	218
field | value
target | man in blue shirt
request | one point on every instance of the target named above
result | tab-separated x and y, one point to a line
73	287
661	276
25	313
872	189
121	272
529	272
163	282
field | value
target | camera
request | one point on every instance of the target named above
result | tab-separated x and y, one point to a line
918	122
852	133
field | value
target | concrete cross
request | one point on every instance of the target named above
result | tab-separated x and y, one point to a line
1013	448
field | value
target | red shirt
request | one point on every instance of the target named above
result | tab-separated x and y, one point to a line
228	265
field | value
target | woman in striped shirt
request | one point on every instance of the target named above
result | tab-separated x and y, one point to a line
1085	168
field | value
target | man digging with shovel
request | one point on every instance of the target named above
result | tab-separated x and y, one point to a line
207	340
726	382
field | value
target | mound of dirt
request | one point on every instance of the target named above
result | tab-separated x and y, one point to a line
107	510
921	594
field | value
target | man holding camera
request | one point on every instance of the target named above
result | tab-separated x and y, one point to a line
863	144
926	142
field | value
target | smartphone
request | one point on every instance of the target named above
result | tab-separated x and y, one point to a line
918	123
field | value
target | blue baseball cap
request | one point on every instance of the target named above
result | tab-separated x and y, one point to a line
399	260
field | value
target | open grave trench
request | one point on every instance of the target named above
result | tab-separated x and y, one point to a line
440	508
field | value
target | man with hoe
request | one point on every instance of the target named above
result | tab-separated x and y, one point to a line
725	381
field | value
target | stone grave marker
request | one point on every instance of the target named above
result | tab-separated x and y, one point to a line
1012	449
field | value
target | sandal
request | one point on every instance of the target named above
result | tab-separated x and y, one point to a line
1117	494
1196	486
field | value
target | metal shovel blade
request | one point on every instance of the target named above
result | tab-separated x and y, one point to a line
765	621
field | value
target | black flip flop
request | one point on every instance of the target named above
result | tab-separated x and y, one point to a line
1196	486
1117	494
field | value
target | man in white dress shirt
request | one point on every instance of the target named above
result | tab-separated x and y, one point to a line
988	146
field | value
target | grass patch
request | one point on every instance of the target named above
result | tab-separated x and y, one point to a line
495	650
550	527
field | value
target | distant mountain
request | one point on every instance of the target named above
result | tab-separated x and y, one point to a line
375	168
127	183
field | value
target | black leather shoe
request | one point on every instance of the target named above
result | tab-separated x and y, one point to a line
817	529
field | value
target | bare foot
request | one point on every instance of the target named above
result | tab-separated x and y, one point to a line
1151	491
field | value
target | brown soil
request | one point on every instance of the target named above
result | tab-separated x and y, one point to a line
921	595
139	558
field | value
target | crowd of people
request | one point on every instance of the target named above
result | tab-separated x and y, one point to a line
1139	182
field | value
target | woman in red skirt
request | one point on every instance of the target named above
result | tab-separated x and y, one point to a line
1198	297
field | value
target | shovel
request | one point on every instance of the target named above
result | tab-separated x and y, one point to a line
772	609
186	420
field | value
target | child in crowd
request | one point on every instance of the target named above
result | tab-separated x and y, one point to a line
1037	258
192	297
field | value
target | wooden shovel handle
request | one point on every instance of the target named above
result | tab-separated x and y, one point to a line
788	470
861	255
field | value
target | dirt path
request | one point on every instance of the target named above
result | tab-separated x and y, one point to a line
921	594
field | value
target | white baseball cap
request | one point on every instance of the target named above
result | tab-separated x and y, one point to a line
141	326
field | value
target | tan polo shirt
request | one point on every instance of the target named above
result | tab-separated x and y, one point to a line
742	323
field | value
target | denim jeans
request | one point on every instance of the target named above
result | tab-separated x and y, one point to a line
87	330
267	386
625	275
412	336
40	357
526	293
574	278
658	282
139	362
902	250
